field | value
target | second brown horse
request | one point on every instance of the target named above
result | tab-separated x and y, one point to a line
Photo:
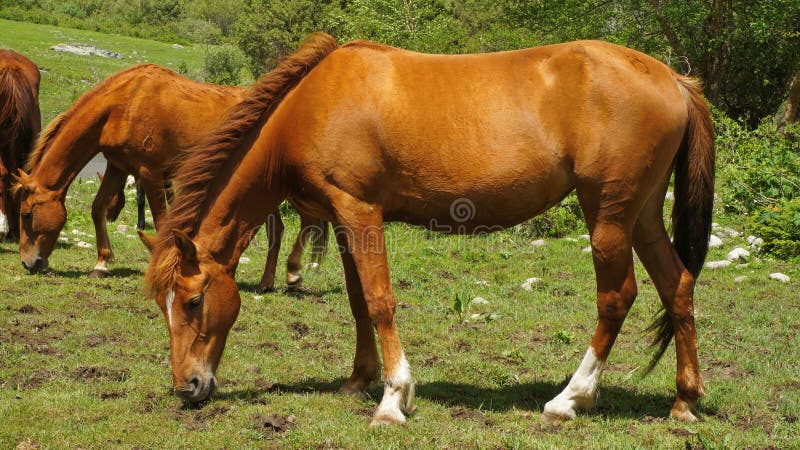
140	119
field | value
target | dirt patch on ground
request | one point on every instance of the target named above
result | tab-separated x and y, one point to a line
195	419
300	330
91	373
273	424
472	415
432	361
28	309
728	370
112	395
270	346
95	340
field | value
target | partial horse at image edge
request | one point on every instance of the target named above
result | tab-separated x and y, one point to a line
20	123
364	133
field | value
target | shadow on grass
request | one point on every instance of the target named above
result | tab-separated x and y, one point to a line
613	401
120	272
299	292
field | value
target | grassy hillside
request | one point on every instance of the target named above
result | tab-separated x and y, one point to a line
85	362
66	76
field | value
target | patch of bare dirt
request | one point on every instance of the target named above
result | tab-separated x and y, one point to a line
195	419
90	373
95	340
36	379
28	309
728	370
28	444
300	329
273	423
112	395
462	346
369	412
432	361
471	414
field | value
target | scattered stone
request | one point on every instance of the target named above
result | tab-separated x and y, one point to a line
479	301
77	232
528	284
177	46
585	237
474	317
83	244
85	50
731	232
717	264
538	243
714	241
130	236
777	276
313	265
587	249
64	240
739	279
123	228
482	283
738	253
670	196
244	260
258	297
755	243
63	233
130	181
569	239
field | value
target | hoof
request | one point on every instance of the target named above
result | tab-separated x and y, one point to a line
387	419
683	411
265	289
294	280
553	418
355	391
99	273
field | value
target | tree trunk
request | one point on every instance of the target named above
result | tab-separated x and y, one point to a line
791	115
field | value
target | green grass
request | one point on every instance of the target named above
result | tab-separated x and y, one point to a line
66	76
86	364
90	368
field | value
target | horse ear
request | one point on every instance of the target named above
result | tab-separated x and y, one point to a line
21	177
185	244
148	241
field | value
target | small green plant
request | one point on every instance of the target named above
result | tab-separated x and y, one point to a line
460	306
563	337
779	226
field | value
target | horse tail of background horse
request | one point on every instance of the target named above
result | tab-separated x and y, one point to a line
319	241
17	111
694	198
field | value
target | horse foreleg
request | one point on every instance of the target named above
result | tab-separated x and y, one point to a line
156	197
675	287
295	261
274	230
616	291
365	364
365	242
110	185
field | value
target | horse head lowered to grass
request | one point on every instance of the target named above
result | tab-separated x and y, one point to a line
364	133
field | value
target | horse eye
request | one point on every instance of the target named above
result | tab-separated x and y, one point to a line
194	302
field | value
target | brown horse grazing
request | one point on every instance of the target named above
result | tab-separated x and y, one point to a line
20	123
362	134
139	119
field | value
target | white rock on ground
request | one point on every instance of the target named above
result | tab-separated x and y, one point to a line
123	228
585	237
739	279
714	242
738	253
482	283
587	249
130	181
244	260
479	301
312	265
670	196
777	276
717	264
82	244
538	243
569	239
85	50
258	297
528	284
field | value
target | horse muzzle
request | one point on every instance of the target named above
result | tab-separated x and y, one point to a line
196	388
34	265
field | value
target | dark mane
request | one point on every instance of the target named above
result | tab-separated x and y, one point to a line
55	126
18	112
199	166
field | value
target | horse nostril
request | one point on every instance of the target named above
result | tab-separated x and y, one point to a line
194	382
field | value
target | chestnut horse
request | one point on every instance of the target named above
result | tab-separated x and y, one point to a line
20	123
139	119
363	134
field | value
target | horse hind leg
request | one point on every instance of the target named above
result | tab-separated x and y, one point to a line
294	263
675	286
616	292
274	230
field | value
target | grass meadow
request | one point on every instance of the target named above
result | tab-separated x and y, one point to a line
84	363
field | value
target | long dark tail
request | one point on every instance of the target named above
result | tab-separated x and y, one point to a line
17	111
694	199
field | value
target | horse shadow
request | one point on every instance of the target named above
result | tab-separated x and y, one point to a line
294	292
613	401
119	272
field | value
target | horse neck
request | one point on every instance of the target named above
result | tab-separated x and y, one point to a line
75	144
238	205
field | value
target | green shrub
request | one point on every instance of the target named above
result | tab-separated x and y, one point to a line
756	168
224	65
564	219
779	226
